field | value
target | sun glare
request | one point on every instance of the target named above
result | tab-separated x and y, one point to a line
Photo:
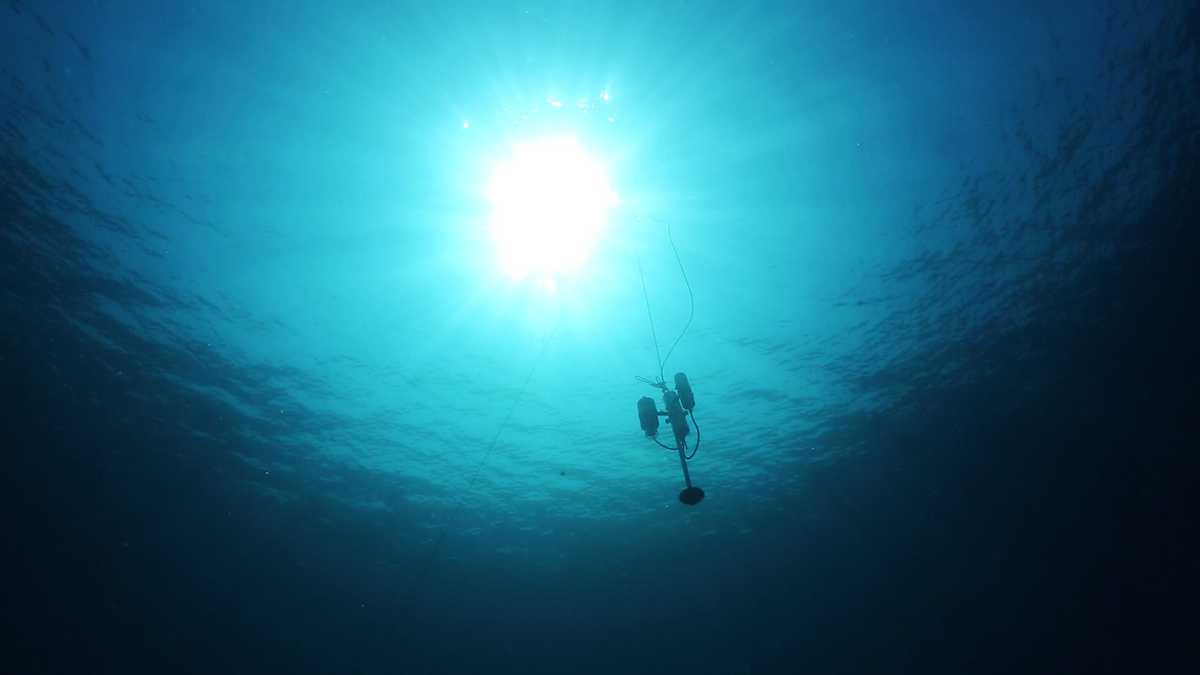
550	200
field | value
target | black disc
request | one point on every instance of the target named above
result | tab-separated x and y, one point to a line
691	496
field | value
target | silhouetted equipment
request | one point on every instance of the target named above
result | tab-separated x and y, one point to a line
686	397
648	415
680	403
679	406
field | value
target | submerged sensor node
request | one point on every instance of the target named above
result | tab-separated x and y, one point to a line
679	405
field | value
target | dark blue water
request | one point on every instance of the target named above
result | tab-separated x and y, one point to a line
270	404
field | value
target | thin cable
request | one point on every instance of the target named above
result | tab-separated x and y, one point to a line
437	546
697	447
691	297
661	384
653	334
694	448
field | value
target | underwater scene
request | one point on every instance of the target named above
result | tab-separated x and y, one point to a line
598	337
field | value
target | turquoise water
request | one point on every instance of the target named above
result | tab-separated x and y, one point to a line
275	222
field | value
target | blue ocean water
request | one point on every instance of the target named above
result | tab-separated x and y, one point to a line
272	405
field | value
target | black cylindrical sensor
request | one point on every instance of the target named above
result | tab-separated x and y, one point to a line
648	415
686	397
